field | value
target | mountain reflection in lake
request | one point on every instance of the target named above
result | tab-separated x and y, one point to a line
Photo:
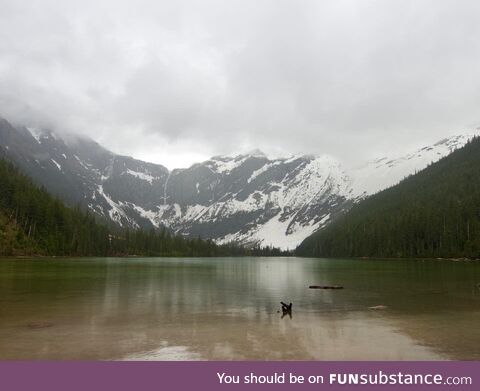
229	308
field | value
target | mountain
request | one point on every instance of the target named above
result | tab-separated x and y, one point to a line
80	171
434	213
32	222
248	198
387	171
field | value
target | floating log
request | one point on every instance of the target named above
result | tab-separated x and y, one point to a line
378	307
325	287
39	325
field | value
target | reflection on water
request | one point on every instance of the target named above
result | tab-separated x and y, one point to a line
229	308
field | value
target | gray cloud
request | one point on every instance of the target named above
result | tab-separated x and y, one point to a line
176	81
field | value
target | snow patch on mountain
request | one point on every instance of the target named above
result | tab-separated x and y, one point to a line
224	165
116	211
35	132
150	215
81	162
141	175
56	164
274	233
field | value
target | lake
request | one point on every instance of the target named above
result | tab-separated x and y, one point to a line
228	309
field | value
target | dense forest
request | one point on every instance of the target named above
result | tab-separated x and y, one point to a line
32	222
434	213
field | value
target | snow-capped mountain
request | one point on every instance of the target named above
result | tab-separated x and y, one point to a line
378	174
248	198
252	199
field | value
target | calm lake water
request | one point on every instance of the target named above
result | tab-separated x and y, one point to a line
227	308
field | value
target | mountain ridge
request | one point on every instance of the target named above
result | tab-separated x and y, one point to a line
247	198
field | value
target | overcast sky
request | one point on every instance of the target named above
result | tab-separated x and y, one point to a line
178	81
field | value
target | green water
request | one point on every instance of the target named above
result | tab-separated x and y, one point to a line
227	308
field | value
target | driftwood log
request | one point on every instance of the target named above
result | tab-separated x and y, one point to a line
286	309
325	287
378	307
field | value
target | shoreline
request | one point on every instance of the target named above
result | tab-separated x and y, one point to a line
20	257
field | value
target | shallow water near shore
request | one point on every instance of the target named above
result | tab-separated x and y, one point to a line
227	309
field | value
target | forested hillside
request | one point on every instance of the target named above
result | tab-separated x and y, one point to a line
434	213
32	222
